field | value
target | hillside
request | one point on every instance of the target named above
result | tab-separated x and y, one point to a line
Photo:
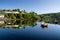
51	17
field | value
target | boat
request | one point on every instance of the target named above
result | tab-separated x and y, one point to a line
44	24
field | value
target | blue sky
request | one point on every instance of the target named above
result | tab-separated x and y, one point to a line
38	6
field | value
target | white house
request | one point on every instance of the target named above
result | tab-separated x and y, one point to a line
15	12
1	16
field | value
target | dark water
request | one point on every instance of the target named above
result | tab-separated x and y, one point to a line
32	30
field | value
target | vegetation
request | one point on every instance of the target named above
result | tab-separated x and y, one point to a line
21	15
20	23
50	17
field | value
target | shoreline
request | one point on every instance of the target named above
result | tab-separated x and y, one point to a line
19	19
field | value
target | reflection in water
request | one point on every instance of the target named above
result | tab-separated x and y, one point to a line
29	32
51	20
17	23
44	26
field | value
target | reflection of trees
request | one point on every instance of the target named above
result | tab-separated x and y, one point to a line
19	23
51	20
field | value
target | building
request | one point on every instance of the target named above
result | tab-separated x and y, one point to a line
8	14
15	12
1	16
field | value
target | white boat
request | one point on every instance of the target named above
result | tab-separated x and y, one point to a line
44	24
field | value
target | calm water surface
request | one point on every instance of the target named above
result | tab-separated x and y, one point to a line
28	30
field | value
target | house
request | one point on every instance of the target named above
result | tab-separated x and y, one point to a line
1	16
15	12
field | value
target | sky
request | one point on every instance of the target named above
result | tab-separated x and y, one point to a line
38	6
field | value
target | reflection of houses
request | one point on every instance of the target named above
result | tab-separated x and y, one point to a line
15	26
16	23
1	22
9	21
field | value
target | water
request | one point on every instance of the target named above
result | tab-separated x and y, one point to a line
20	29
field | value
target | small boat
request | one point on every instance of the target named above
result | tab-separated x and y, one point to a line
44	24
